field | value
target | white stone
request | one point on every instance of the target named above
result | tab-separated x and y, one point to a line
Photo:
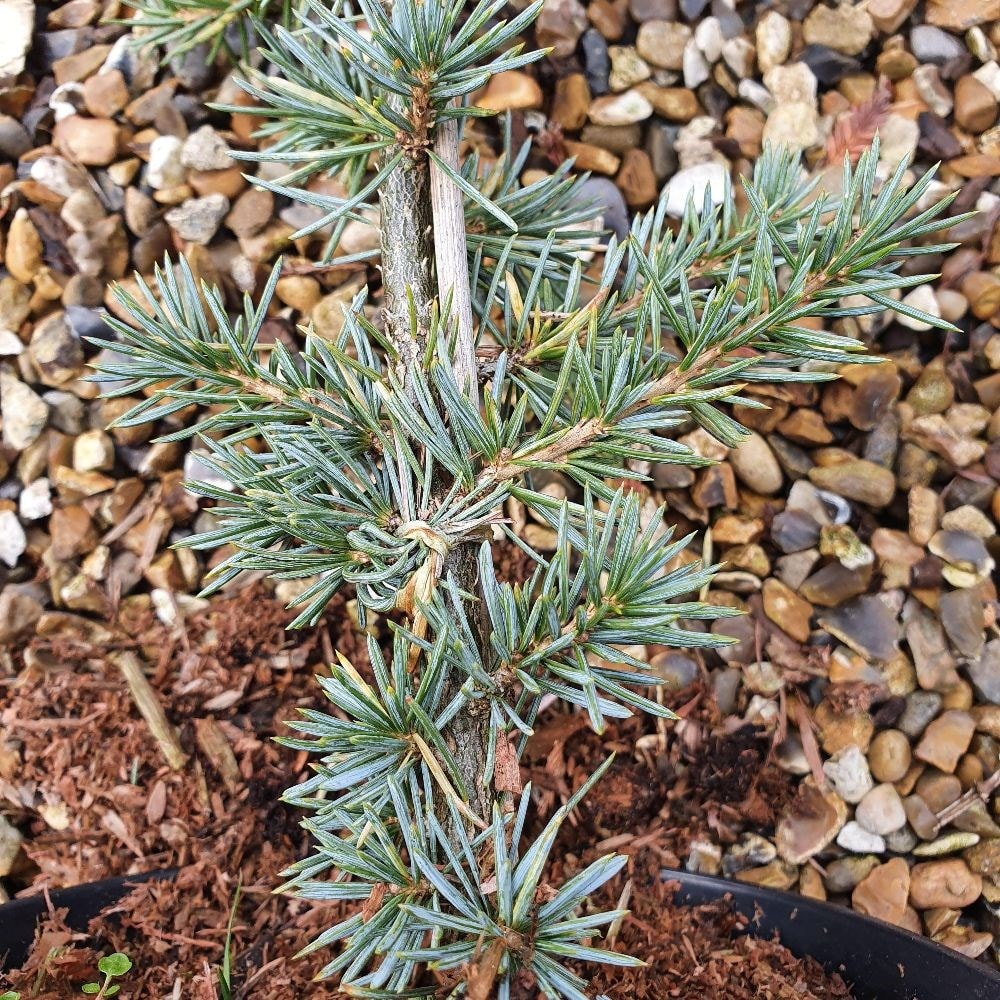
738	54
774	40
696	67
848	772
855	838
205	149
18	20
756	94
881	810
693	182
709	38
620	109
197	220
35	501
13	541
923	298
10	344
165	168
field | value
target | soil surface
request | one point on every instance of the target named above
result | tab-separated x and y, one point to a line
131	812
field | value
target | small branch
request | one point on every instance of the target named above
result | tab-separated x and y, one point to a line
451	256
289	269
151	710
979	792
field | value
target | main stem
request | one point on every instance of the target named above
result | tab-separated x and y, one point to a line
423	218
468	733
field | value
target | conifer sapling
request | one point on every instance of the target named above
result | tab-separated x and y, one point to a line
384	459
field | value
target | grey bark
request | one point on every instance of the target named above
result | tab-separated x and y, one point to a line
407	252
423	219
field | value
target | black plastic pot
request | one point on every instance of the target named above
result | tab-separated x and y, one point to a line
879	961
19	917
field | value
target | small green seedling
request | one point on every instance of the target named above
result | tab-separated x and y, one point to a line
10	995
226	969
113	966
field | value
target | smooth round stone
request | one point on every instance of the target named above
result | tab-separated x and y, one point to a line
889	755
881	810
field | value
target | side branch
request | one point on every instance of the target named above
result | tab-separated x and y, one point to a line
451	255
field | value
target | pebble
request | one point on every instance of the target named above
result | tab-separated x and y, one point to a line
197	220
165	168
786	609
948	844
661	43
855	838
843	874
774	40
922	298
932	45
848	772
695	67
35	501
23	255
889	755
846	28
24	413
620	109
14	138
857	479
56	353
884	892
597	62
92	451
511	90
693	183
841	543
866	624
881	810
947	883
90	141
888	15
812	822
676	104
754	463
961	614
571	102
627	67
205	149
975	105
560	25
984	672
13	541
946	739
828	65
